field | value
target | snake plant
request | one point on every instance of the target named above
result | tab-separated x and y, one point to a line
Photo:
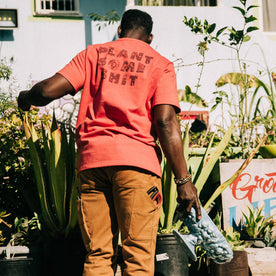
53	158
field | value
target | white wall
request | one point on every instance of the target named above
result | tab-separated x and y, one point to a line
175	41
41	46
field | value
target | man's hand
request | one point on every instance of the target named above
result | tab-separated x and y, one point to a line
187	198
21	101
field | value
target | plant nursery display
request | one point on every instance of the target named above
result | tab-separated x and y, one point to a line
38	190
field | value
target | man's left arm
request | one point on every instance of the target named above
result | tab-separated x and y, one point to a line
168	130
44	92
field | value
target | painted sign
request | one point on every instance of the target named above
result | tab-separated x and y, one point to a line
256	186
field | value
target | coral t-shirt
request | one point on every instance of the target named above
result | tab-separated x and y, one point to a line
121	82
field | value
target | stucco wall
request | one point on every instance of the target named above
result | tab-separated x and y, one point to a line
41	46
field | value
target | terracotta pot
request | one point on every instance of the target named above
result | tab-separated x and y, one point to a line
237	267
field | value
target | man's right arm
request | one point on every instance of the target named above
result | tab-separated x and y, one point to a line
44	92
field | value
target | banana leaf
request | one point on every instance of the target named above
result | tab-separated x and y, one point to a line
186	95
251	82
237	79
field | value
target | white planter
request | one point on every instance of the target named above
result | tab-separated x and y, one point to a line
262	261
14	251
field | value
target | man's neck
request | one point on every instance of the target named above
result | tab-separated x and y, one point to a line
137	35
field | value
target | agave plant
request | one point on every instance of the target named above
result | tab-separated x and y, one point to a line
169	200
53	158
257	225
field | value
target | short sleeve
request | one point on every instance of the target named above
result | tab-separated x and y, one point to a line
74	71
166	88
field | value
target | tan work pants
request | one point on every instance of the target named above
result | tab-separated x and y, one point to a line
113	198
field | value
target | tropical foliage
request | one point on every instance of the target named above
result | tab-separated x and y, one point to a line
186	95
200	168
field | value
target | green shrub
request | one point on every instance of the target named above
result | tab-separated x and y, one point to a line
16	177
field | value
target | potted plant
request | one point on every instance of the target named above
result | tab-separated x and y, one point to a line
19	254
239	263
53	156
200	169
261	243
257	228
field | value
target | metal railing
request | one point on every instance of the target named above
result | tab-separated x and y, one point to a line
52	6
197	3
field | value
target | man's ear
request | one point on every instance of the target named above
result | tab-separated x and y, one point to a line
119	31
150	38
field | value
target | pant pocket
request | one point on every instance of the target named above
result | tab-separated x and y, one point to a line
144	217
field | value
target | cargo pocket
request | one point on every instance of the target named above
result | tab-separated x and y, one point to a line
144	217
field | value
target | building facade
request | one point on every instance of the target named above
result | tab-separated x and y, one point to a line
46	34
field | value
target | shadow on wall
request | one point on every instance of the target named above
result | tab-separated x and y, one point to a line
6	35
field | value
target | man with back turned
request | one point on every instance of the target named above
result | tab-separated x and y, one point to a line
129	100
